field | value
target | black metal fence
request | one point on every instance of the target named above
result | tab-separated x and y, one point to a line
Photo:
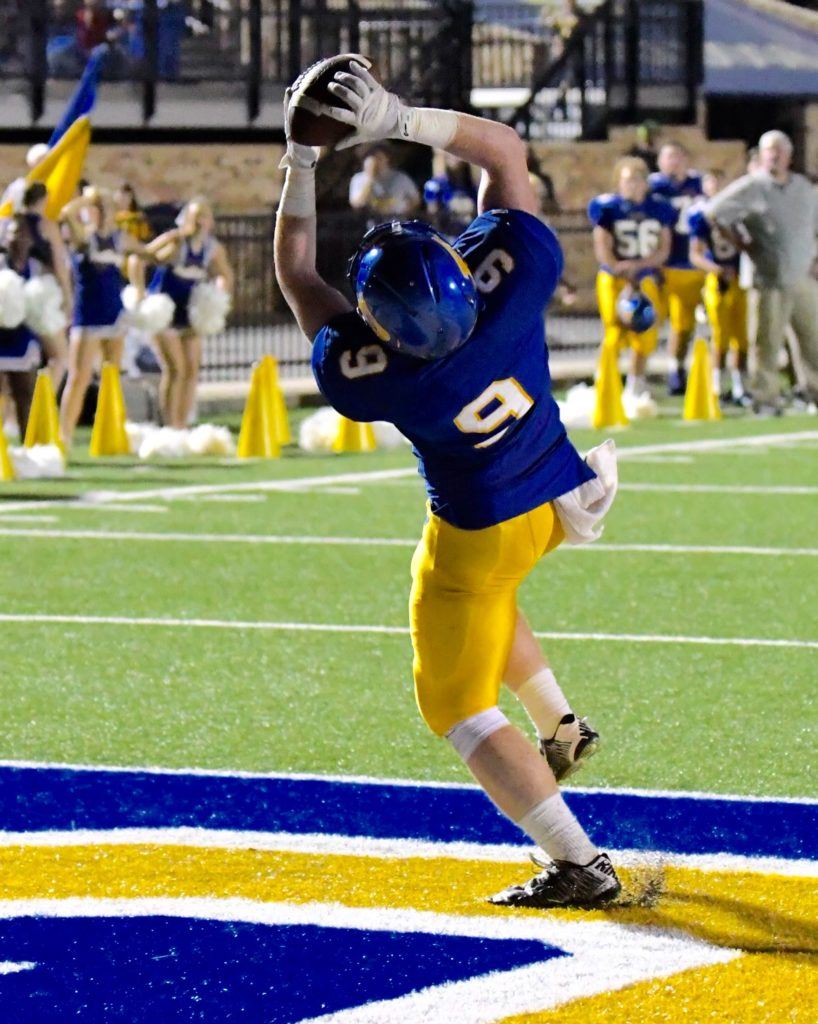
260	321
619	58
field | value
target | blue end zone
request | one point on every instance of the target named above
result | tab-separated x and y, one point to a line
37	799
159	970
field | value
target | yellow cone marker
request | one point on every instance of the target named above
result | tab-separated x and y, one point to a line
6	465
43	420
108	436
258	438
354	437
701	402
281	422
608	410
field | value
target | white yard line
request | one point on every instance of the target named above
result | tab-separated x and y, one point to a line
328	627
770	490
373	780
144	536
716	444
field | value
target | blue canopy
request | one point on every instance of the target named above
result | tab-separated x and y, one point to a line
753	52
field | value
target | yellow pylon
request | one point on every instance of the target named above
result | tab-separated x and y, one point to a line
258	438
281	422
108	436
608	409
701	402
6	465
43	421
354	437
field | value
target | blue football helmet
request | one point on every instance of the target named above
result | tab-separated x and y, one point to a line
635	311
414	290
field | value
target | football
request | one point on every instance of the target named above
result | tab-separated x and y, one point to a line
308	125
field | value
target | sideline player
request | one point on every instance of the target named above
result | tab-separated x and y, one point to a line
448	343
678	185
631	243
714	250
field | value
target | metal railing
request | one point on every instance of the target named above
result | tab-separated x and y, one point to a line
620	59
260	321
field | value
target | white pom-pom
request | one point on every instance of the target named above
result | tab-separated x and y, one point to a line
317	432
12	299
208	308
44	312
152	314
42	461
208	439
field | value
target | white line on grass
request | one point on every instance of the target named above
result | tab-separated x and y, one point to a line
383	542
770	490
372	780
332	627
319	843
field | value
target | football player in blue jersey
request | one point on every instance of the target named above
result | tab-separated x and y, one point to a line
717	251
448	343
683	283
631	243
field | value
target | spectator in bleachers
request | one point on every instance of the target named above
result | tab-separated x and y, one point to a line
380	189
450	194
645	145
779	210
129	216
68	51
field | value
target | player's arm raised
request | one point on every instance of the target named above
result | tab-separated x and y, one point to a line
312	301
378	114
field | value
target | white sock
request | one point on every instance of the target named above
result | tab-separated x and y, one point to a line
544	701
674	364
553	827
737	384
632	384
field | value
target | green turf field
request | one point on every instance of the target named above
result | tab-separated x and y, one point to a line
236	680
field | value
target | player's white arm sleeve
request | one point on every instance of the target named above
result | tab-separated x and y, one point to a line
737	201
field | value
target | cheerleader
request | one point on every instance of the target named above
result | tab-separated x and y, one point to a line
188	256
19	348
100	255
48	249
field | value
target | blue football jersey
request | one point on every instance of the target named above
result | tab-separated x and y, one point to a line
720	247
635	227
484	425
681	195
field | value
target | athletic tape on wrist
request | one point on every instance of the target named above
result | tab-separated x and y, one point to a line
298	194
427	125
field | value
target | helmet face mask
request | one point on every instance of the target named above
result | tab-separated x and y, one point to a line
413	289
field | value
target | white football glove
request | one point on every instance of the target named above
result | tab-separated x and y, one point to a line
297	155
371	109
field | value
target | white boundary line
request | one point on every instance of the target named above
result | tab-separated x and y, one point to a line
604	956
370	780
332	627
768	491
146	536
323	844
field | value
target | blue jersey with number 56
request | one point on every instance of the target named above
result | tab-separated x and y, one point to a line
484	426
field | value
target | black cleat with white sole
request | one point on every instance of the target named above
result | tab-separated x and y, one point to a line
570	746
563	884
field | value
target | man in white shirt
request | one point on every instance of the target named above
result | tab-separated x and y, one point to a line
382	190
779	211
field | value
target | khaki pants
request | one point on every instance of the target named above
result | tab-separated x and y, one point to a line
796	305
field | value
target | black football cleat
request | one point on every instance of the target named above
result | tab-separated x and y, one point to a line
563	884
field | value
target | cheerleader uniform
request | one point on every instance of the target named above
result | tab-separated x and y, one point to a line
97	272
19	347
178	279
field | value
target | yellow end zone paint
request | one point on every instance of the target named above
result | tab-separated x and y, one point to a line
748	911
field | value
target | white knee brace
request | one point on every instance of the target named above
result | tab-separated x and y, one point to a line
467	735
